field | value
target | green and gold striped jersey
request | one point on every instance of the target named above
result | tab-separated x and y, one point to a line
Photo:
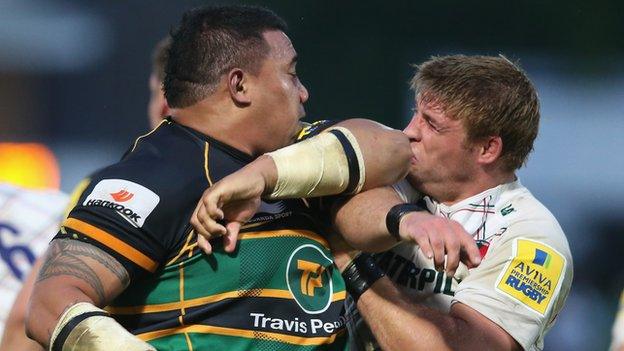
278	291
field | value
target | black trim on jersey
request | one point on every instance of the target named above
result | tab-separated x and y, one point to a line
214	142
352	160
239	316
69	327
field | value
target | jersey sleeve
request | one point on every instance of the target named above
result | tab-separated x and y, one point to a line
523	280
114	215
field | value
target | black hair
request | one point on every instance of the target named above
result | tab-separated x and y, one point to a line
209	42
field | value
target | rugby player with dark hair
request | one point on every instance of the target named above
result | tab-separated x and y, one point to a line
234	95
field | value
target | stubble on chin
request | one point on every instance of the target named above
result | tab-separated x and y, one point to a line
413	180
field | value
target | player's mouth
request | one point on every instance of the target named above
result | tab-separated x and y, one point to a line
413	159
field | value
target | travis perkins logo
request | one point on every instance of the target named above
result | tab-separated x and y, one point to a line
314	326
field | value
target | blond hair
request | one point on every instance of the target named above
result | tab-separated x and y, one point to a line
490	95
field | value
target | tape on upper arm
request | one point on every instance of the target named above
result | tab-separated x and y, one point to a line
327	164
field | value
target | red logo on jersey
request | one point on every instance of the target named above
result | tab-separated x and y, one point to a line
122	196
483	247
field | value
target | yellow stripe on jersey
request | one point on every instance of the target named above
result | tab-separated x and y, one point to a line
178	305
285	233
111	242
189	344
250	334
206	163
188	247
136	141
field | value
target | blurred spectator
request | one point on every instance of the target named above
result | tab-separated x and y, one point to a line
31	207
30	218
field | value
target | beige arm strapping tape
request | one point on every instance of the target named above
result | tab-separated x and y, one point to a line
315	167
96	333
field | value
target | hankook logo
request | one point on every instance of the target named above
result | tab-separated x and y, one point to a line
122	196
132	201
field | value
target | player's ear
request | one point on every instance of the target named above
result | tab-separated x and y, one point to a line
238	81
490	149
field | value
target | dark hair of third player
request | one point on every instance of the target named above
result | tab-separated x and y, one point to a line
209	42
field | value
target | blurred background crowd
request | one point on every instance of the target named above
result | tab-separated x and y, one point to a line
74	91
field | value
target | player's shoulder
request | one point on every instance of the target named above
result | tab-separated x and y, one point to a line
527	217
184	154
168	155
168	149
165	164
517	205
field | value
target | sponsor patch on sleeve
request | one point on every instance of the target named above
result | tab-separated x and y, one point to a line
533	276
132	201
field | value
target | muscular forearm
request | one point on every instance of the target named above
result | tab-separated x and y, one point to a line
361	220
366	219
48	302
401	324
72	272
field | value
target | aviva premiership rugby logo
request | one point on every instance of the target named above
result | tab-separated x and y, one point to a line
533	276
308	276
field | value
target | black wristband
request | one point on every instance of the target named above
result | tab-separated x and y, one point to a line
67	328
360	274
393	218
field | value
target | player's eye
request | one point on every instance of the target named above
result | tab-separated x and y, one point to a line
433	126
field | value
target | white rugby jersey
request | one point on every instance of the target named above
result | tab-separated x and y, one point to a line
617	332
522	281
28	221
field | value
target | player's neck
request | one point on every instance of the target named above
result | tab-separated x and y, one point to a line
473	186
218	121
